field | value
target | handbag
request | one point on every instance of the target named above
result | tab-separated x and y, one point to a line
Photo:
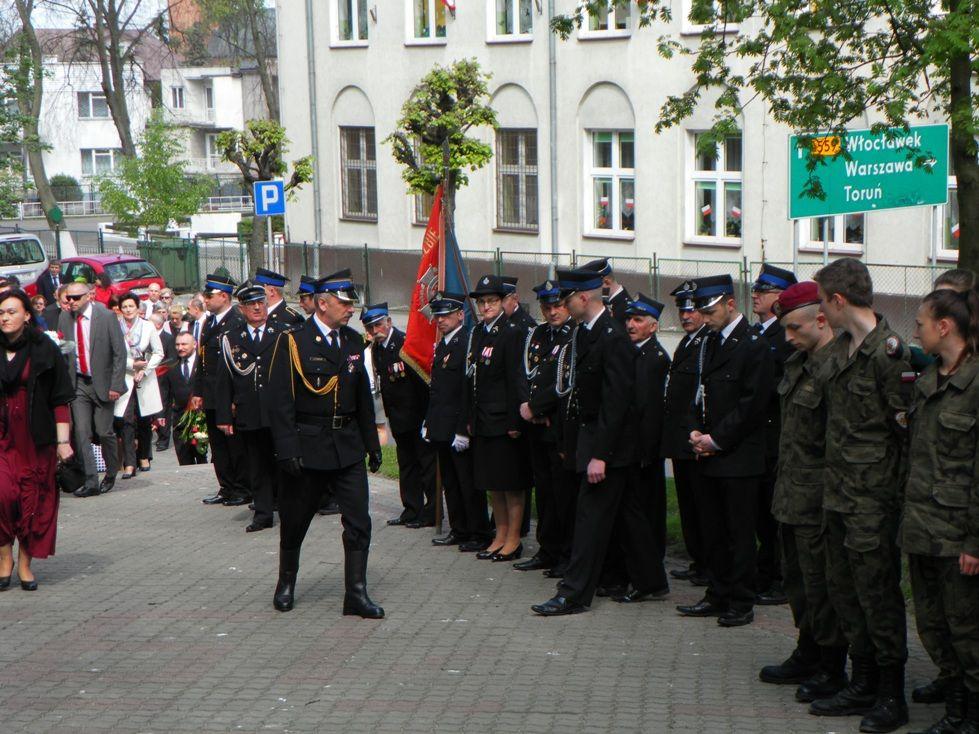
70	475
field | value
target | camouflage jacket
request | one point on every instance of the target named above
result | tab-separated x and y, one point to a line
941	497
798	496
866	423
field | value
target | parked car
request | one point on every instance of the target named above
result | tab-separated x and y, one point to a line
22	256
126	272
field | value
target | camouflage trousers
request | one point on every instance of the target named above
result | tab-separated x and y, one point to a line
863	576
946	608
804	577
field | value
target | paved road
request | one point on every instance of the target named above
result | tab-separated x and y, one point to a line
156	616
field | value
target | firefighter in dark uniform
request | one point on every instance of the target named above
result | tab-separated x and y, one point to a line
736	386
242	397
551	480
405	398
227	452
681	416
280	313
322	417
765	291
466	508
601	392
307	295
615	295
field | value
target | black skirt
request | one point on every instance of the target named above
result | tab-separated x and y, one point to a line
497	464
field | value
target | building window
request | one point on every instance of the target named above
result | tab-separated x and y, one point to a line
208	98
843	233
512	18
715	189
516	180
949	245
698	17
422	208
351	25
177	97
92	105
211	150
608	21
358	173
427	20
611	181
99	161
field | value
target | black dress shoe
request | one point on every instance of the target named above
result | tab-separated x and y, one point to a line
235	501
28	585
533	564
635	595
511	556
734	618
933	692
145	468
772	597
107	484
699	580
285	591
702	608
557	606
416	524
216	499
128	474
162	446
613	590
473	546
398	521
557	572
683	574
487	554
330	508
254	527
451	539
86	492
4	583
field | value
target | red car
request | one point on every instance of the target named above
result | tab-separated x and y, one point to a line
127	272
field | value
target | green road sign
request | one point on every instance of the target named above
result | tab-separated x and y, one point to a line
881	172
56	214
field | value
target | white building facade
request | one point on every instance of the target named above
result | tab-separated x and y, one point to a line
577	165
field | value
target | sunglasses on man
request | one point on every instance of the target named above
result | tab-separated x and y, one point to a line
77	297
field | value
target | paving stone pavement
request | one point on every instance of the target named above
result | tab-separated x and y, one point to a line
156	616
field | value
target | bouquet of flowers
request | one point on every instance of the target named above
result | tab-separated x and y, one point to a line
193	429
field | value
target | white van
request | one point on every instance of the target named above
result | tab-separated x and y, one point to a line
22	256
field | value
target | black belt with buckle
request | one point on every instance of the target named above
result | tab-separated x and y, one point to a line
333	421
87	379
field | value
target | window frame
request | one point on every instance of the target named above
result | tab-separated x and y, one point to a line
617	174
354	41
178	93
89	115
366	166
494	36
837	245
587	34
719	177
93	154
941	252
421	209
687	28
432	39
522	170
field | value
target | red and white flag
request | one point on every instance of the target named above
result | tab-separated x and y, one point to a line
706	210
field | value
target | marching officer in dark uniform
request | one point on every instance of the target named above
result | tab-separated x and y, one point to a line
242	397
280	313
736	387
307	295
227	452
322	417
405	398
615	295
681	415
555	513
765	291
466	508
601	385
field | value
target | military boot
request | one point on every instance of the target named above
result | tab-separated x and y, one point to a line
971	723
355	600
857	698
931	692
797	667
955	703
890	710
830	680
285	589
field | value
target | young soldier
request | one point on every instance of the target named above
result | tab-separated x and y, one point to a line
614	294
307	294
866	426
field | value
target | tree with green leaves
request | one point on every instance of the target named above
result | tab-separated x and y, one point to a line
153	188
259	153
432	141
818	66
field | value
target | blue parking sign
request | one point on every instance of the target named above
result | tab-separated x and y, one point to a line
269	198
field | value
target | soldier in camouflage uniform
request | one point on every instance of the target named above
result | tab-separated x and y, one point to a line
866	431
818	662
940	522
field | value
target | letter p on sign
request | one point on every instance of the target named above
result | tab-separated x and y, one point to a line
269	198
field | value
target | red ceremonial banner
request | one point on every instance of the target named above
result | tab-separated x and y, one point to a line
420	336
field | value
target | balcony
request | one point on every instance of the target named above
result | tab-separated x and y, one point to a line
210	164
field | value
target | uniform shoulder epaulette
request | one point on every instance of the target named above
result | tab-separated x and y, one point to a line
294	312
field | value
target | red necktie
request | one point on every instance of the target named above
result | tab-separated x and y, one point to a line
80	339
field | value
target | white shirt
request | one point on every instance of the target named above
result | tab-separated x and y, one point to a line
218	317
595	318
327	332
190	364
197	328
639	345
617	292
726	331
766	325
255	332
448	337
86	319
388	340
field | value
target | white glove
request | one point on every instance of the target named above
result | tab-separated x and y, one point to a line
460	443
424	432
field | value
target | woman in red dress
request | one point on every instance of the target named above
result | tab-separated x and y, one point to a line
35	390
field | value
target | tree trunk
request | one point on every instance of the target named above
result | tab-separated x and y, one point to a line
264	68
256	245
108	40
963	149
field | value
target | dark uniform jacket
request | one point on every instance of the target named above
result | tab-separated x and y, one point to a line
332	430
179	389
738	381
242	399
617	305
444	417
209	355
781	350
540	362
941	498
522	320
798	498
680	415
652	367
285	317
497	384
404	393
604	377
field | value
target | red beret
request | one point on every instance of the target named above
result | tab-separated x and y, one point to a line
796	296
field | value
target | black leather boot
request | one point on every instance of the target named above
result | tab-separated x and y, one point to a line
285	589
798	667
890	710
955	709
857	698
829	680
931	692
971	723
355	600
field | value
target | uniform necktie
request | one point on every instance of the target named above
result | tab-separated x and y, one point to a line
211	320
197	330
256	335
759	328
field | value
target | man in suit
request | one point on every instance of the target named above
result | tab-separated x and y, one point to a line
49	281
163	431
735	389
179	382
99	376
281	314
405	398
227	451
681	414
615	295
54	309
196	317
765	291
601	395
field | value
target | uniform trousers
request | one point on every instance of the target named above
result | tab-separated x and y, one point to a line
263	472
228	457
863	573
551	518
466	507
769	572
803	553
946	606
726	507
684	479
416	476
301	498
